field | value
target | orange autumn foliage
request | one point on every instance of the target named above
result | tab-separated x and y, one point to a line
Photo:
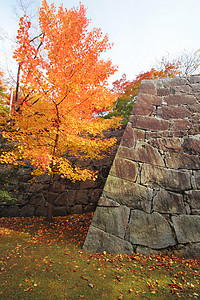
63	81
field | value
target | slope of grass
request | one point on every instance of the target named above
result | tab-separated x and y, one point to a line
41	260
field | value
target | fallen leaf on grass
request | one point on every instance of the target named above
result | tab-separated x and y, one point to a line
84	278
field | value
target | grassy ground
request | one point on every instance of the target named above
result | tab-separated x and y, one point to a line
41	260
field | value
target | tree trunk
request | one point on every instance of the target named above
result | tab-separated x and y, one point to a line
17	89
50	199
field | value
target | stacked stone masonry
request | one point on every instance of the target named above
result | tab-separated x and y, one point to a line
68	197
151	199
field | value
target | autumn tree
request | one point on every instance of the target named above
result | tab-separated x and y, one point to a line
128	90
62	82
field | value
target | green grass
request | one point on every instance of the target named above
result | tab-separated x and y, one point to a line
41	260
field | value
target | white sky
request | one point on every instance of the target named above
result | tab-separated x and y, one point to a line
142	30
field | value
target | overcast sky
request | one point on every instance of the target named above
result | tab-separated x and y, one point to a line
142	31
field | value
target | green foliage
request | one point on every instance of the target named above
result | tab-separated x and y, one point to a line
123	108
7	198
4	109
7	180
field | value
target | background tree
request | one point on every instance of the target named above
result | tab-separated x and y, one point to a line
187	62
63	82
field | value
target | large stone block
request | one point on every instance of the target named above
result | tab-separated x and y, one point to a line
194	79
173	112
189	251
67	199
128	193
143	108
167	144
180	124
82	196
193	198
38	200
182	161
147	87
143	152
12	211
151	99
27	211
196	87
180	99
195	108
113	220
139	134
149	123
173	180
150	230
37	187
197	179
173	82
99	241
192	144
187	228
40	211
128	139
168	202
58	187
124	168
163	91
3	211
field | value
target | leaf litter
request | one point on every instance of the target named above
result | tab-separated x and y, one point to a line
42	259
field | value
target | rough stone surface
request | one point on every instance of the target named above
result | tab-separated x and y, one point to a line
103	201
124	168
147	251
187	228
175	112
27	211
190	251
128	139
171	179
182	161
156	173
150	230
67	199
168	202
193	198
41	211
143	152
99	241
128	193
149	123
167	144
12	211
197	179
112	220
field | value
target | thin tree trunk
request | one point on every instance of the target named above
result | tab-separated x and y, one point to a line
50	199
17	89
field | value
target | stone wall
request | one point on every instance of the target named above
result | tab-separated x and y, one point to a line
68	197
151	199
